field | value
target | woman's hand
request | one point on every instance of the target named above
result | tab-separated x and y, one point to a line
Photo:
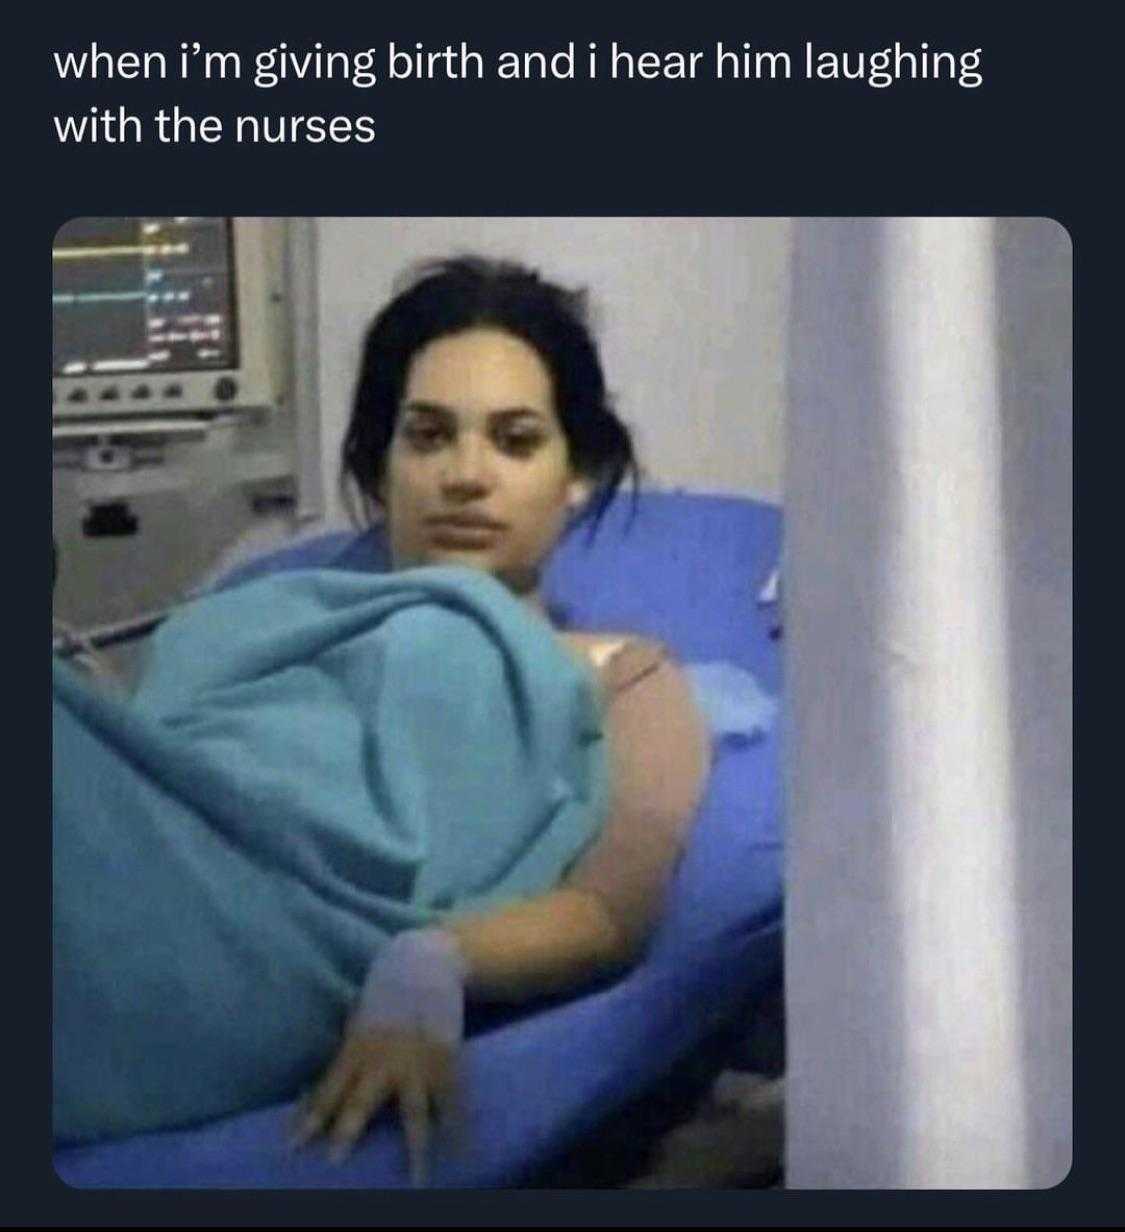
375	1066
400	1044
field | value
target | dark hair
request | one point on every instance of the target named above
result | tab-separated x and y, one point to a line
448	297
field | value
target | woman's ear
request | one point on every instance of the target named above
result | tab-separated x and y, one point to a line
578	492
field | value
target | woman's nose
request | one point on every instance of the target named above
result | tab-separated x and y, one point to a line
468	470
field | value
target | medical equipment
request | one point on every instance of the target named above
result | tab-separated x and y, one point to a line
162	318
184	402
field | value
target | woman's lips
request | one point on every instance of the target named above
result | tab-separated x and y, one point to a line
463	532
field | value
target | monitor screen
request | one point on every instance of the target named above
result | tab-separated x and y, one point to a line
135	295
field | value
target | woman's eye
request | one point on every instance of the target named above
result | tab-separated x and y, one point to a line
424	437
519	443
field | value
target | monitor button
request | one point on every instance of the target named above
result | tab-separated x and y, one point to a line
77	395
110	394
142	391
173	391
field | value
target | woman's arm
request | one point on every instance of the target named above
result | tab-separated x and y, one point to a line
540	945
602	915
660	757
597	921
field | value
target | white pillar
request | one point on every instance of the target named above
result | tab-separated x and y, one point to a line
907	989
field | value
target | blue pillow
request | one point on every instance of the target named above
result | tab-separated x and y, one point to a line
683	568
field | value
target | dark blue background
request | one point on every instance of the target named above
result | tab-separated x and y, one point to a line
1040	137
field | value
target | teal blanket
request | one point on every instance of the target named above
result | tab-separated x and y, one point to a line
313	762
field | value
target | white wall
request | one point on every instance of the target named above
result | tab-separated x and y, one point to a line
690	314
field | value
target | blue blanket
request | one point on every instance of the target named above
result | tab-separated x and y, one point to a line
313	762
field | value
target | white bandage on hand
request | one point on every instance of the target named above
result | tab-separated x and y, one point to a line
416	983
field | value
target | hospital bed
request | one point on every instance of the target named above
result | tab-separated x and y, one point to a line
683	568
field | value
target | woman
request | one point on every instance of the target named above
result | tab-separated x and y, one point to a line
292	790
480	425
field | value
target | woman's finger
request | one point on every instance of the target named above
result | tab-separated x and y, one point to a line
414	1106
445	1093
317	1108
364	1100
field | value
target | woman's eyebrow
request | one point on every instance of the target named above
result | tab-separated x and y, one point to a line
516	412
429	408
504	414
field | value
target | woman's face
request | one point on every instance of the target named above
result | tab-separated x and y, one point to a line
478	472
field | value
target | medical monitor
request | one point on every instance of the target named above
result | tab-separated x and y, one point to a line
161	316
